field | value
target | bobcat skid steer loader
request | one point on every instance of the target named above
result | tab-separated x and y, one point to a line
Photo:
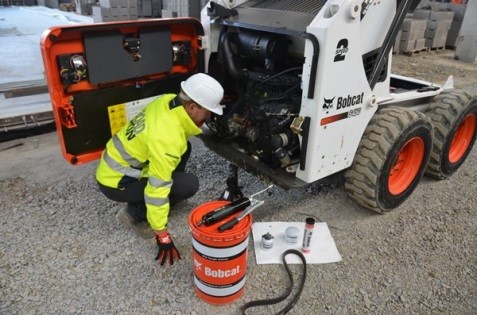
308	92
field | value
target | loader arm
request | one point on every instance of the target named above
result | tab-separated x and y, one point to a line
404	6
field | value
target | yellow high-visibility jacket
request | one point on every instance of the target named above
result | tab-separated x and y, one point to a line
149	145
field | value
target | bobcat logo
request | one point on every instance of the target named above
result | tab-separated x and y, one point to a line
328	103
197	265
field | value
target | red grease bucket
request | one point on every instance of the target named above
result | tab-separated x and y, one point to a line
220	259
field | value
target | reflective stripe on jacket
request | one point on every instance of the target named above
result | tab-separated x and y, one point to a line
149	145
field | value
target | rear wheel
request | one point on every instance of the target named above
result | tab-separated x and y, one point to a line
390	159
454	117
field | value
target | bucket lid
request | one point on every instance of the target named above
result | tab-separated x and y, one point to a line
211	234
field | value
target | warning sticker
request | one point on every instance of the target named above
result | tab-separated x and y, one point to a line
120	114
117	117
135	107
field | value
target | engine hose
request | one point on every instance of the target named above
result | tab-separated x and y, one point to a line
227	54
284	94
277	75
254	88
276	300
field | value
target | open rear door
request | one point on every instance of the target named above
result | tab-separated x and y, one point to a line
100	75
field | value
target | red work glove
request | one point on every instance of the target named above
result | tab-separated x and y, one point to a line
167	250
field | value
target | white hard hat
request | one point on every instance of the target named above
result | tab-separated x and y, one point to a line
204	90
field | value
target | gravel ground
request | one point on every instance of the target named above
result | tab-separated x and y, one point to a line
62	250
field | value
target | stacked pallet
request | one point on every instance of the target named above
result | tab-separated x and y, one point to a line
169	8
182	8
115	10
188	8
438	25
411	38
84	7
149	8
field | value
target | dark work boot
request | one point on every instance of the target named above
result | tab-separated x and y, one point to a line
130	217
137	211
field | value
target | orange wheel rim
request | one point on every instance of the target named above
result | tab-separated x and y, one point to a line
407	166
462	138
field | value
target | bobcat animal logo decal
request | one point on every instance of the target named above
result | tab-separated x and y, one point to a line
328	103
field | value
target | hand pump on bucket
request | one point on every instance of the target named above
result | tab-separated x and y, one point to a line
226	211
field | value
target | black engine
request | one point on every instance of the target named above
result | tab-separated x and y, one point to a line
262	83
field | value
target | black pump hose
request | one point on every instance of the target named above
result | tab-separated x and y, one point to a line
276	300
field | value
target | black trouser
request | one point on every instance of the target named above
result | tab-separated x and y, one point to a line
184	186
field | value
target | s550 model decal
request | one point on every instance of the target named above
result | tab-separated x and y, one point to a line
354	112
341	50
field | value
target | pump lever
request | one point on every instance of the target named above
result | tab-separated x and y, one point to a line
223	212
233	222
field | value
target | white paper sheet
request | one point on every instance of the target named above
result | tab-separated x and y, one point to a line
323	248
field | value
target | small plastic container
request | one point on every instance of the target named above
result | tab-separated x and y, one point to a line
267	241
291	235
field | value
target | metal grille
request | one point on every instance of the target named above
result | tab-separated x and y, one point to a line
369	60
305	6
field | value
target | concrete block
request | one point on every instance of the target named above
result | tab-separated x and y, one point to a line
168	13
108	3
410	25
442	41
412	35
420	44
120	12
84	7
132	11
194	4
422	14
114	11
407	45
441	15
169	5
146	8
436	33
440	24
101	14
436	42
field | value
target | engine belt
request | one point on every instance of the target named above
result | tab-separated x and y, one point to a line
276	300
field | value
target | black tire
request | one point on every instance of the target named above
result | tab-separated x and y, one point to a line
389	134
452	113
